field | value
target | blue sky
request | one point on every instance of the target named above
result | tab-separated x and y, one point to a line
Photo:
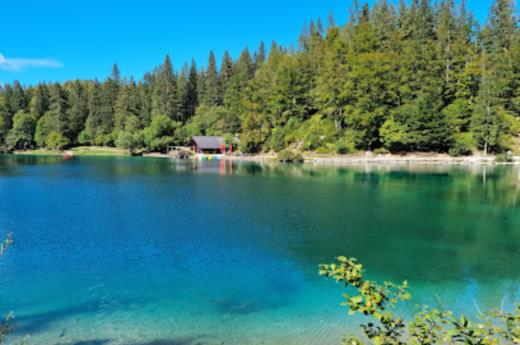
55	40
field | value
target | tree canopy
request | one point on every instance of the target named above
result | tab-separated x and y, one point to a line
400	78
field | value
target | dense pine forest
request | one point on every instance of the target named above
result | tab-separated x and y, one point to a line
409	77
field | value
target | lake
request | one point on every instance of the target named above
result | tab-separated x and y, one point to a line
140	251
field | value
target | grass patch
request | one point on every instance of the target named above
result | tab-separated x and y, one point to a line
98	151
78	151
39	152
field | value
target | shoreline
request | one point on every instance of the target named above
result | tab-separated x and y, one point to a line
313	159
388	159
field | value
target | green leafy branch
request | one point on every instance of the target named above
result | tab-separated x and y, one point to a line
427	327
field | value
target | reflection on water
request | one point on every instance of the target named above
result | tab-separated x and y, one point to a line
151	251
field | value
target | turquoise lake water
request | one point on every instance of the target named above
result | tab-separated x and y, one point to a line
152	252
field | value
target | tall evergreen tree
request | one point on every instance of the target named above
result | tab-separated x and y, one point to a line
17	99
226	73
127	106
77	111
259	56
211	83
182	82
39	102
165	99
191	92
486	125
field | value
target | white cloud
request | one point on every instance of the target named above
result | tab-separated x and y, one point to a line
8	64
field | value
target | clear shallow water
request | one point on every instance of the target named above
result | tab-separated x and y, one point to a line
148	252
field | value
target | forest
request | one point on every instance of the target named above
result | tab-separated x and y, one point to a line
409	77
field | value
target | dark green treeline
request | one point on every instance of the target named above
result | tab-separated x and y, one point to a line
400	78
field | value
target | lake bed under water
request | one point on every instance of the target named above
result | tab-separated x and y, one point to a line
149	251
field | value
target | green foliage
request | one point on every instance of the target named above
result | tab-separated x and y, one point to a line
165	96
46	125
370	299
21	135
161	133
342	147
131	138
6	326
289	156
504	158
394	135
315	133
208	121
377	302
56	141
381	151
460	149
413	77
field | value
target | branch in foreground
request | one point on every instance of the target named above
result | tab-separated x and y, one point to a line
428	327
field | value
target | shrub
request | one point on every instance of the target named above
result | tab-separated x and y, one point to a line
5	326
504	158
460	149
325	149
429	326
315	132
56	141
381	151
289	156
342	147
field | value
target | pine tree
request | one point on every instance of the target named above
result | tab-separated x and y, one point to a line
182	82
500	36
54	122
191	92
331	82
259	56
39	103
126	106
146	96
18	98
502	28
78	109
58	106
201	86
226	73
446	30
212	83
486	124
94	118
4	119
165	94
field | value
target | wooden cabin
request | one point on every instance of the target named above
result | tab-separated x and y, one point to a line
208	145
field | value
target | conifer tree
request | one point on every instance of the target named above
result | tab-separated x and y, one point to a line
259	56
182	82
39	102
127	106
486	124
191	95
165	99
17	98
77	111
211	83
226	73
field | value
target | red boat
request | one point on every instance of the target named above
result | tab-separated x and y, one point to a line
68	156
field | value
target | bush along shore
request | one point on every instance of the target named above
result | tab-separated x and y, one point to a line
296	156
413	77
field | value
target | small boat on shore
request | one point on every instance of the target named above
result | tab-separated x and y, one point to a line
68	155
